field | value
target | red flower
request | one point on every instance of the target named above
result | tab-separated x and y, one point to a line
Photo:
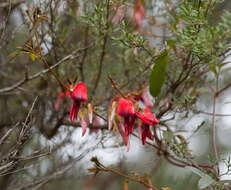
147	119
126	110
79	95
139	13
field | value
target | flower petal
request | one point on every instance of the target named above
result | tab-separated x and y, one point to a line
111	115
74	110
80	92
125	108
83	123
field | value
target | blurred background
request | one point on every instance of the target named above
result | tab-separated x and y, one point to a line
44	149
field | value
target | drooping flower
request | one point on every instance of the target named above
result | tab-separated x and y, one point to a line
139	13
147	119
126	110
79	95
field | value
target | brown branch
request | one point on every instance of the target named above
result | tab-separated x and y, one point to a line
81	68
26	79
12	4
223	89
103	52
214	126
58	173
100	167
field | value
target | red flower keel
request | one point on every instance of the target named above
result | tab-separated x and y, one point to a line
74	110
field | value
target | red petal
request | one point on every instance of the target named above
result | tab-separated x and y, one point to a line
74	110
139	13
83	124
125	108
147	98
144	135
144	118
80	92
140	131
151	117
123	134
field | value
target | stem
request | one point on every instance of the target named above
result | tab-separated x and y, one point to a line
103	52
137	179
46	64
41	54
214	125
84	54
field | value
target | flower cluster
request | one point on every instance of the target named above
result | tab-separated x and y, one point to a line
122	113
125	118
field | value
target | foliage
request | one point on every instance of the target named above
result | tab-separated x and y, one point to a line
119	50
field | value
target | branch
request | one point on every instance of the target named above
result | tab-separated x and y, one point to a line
57	174
12	4
103	52
214	126
28	78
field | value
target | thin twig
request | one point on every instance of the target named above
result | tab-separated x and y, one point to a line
26	79
103	52
214	126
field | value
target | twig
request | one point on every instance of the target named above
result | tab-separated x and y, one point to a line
84	54
57	174
224	89
115	86
7	134
214	126
103	52
26	79
100	167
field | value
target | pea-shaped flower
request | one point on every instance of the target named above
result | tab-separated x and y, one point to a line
78	95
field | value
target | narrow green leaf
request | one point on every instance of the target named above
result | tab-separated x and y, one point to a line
213	69
195	170
13	54
205	182
33	57
158	74
199	126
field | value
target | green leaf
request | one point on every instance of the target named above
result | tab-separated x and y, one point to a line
158	74
199	126
195	170
213	69
205	180
33	57
13	54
